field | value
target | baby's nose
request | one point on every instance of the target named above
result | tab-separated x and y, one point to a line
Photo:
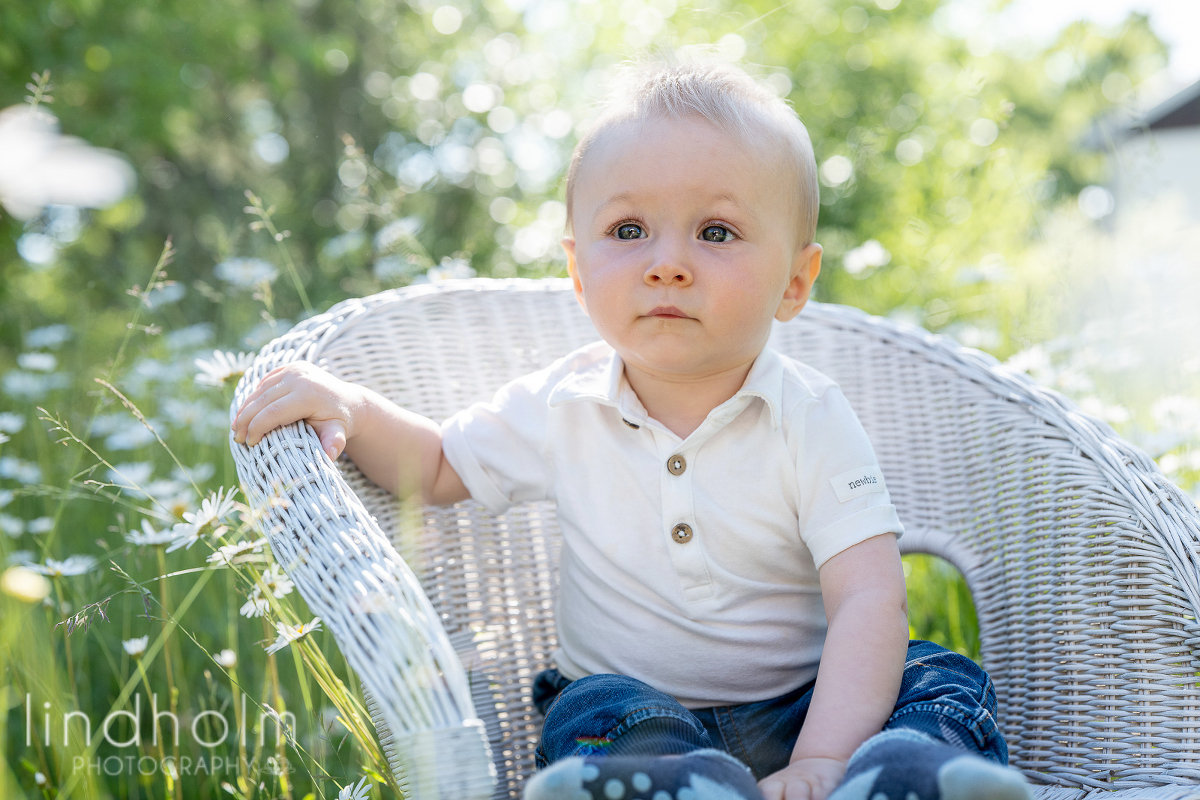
668	271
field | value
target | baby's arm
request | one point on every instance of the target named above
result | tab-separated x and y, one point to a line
397	449
861	665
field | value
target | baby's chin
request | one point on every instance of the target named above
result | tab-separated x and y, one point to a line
683	364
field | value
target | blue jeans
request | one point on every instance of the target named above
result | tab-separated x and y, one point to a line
942	694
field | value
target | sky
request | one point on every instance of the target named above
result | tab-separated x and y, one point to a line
1035	22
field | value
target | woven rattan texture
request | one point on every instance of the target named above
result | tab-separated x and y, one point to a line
1080	556
491	576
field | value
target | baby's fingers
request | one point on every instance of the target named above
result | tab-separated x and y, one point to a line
269	380
280	411
772	788
786	787
252	407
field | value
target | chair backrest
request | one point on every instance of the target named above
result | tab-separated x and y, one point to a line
1081	557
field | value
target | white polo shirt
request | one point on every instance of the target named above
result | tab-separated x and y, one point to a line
690	564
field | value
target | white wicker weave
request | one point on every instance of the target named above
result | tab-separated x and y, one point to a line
1081	557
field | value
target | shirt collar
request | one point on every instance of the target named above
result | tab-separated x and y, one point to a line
603	381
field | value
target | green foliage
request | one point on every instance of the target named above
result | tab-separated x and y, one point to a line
187	92
940	608
384	139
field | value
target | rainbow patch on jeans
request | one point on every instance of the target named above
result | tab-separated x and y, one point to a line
594	741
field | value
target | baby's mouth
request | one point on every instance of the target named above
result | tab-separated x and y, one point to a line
667	312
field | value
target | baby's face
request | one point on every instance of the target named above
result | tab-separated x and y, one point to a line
686	246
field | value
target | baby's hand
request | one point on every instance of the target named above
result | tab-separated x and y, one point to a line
298	391
804	779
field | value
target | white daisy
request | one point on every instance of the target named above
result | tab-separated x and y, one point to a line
275	497
223	368
40	525
246	272
290	633
50	336
73	565
37	362
190	337
213	509
131	435
229	553
149	536
168	492
183	535
42	167
21	557
258	515
277	581
199	472
449	269
130	476
186	414
226	658
32	386
253	518
255	607
13	526
175	500
359	792
25	472
136	646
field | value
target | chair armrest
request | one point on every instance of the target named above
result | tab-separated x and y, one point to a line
353	579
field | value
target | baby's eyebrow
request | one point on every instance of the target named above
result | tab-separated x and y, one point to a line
621	197
741	207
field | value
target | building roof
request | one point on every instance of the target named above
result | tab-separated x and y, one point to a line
1179	110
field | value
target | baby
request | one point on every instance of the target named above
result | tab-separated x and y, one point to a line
726	527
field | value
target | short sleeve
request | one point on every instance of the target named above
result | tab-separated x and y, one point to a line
498	448
843	497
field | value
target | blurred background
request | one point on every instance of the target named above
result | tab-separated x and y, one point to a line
1021	176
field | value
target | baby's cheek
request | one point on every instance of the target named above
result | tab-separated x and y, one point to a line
604	302
752	305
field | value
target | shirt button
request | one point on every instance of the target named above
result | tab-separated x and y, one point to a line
682	533
676	464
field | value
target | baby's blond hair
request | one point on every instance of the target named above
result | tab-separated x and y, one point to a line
720	93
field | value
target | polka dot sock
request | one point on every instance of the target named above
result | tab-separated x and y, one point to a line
698	775
903	764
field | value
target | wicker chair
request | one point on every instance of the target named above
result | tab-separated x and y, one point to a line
1081	557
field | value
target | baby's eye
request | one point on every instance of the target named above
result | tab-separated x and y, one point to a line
630	231
716	233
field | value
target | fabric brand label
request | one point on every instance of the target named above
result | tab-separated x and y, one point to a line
858	482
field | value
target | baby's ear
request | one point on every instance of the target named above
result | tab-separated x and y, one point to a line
568	245
805	269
